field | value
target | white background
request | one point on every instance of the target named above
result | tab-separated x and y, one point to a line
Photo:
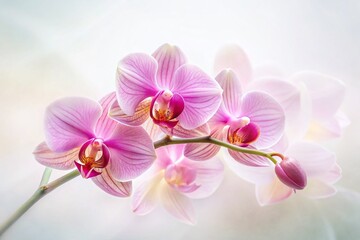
52	49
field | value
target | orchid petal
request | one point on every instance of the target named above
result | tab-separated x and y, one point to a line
331	176
209	175
326	92
153	130
140	115
146	195
110	185
169	59
179	131
177	204
234	57
105	125
249	159
313	158
327	129
272	193
69	122
267	114
132	152
201	94
285	93
256	175
62	161
204	151
135	81
318	189
169	154
231	91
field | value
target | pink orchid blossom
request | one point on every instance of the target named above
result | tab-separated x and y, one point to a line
317	163
162	86
270	81
79	133
173	180
311	100
254	120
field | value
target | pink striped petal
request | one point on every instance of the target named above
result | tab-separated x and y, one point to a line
327	93
140	116
313	158
135	81
110	185
69	122
232	91
249	159
209	175
272	193
146	195
234	57
319	189
178	205
179	131
285	93
132	152
201	94
267	114
62	161
153	130
169	59
105	125
203	151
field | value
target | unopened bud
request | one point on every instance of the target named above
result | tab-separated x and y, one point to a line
291	174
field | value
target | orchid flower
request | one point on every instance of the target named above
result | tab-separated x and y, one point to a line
173	180
319	167
311	100
286	93
325	95
79	134
254	120
174	94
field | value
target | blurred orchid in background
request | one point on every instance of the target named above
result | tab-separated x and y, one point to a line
174	180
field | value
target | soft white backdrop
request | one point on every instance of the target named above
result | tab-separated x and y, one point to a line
52	49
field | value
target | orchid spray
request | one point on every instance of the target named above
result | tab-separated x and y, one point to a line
268	126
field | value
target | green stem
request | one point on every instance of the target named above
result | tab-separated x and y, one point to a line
207	139
46	187
38	194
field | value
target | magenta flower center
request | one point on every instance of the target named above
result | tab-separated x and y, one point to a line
242	132
179	175
93	157
166	107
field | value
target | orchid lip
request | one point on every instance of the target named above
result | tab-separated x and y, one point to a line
243	132
166	107
94	155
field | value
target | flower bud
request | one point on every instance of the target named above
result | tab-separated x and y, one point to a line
291	174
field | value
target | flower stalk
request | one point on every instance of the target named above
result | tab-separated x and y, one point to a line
46	187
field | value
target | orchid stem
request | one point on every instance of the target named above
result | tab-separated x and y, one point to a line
38	194
207	139
46	187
